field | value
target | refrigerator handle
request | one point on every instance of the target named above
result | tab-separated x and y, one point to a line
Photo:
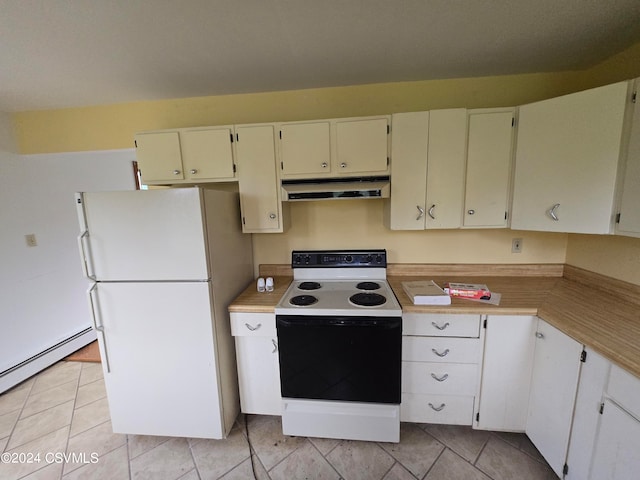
85	255
93	304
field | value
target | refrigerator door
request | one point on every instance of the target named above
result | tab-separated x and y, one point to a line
159	358
143	235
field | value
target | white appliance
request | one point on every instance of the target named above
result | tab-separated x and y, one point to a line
165	264
339	329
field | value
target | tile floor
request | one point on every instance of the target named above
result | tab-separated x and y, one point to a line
62	412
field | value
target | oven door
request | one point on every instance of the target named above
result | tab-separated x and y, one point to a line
340	357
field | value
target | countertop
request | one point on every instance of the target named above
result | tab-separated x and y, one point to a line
597	311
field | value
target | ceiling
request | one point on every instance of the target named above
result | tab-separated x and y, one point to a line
65	53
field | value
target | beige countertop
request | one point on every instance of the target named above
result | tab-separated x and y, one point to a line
597	311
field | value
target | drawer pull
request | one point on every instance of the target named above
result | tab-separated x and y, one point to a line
437	409
440	327
443	354
440	379
275	345
253	329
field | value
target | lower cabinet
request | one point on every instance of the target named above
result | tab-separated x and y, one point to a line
506	372
258	366
616	453
439	370
586	416
554	381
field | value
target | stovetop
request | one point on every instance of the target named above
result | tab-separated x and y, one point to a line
330	282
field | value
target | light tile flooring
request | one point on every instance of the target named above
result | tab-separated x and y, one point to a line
62	415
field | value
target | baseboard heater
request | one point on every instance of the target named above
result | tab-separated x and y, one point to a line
18	373
335	188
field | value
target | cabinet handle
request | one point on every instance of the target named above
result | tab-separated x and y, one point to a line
324	165
440	379
539	335
253	329
176	172
343	165
471	212
431	208
275	345
272	216
552	212
193	171
443	354
440	327
421	210
437	409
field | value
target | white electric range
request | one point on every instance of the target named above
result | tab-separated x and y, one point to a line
339	330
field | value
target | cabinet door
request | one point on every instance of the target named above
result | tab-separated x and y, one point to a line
567	156
361	146
147	393
506	372
556	367
257	179
427	169
445	170
305	149
593	381
617	452
488	174
629	212
207	153
158	156
409	146
259	375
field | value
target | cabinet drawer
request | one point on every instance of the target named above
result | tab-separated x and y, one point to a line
440	349
253	324
441	325
440	378
446	409
624	388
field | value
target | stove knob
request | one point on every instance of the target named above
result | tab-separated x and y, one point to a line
348	259
379	259
368	259
307	259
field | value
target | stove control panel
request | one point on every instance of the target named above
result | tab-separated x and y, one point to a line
339	258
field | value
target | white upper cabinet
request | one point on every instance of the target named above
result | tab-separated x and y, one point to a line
488	170
567	155
193	155
629	220
258	180
159	157
427	170
334	148
305	148
362	146
207	153
445	168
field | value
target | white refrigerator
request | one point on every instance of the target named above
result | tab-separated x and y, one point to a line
164	266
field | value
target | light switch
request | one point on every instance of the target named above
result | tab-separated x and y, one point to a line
30	238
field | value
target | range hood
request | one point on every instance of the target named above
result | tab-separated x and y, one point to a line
335	188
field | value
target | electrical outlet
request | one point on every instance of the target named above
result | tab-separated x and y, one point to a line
30	239
516	245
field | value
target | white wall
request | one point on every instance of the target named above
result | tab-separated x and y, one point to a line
42	290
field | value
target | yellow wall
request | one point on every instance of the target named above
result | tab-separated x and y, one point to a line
358	224
353	223
113	126
614	256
